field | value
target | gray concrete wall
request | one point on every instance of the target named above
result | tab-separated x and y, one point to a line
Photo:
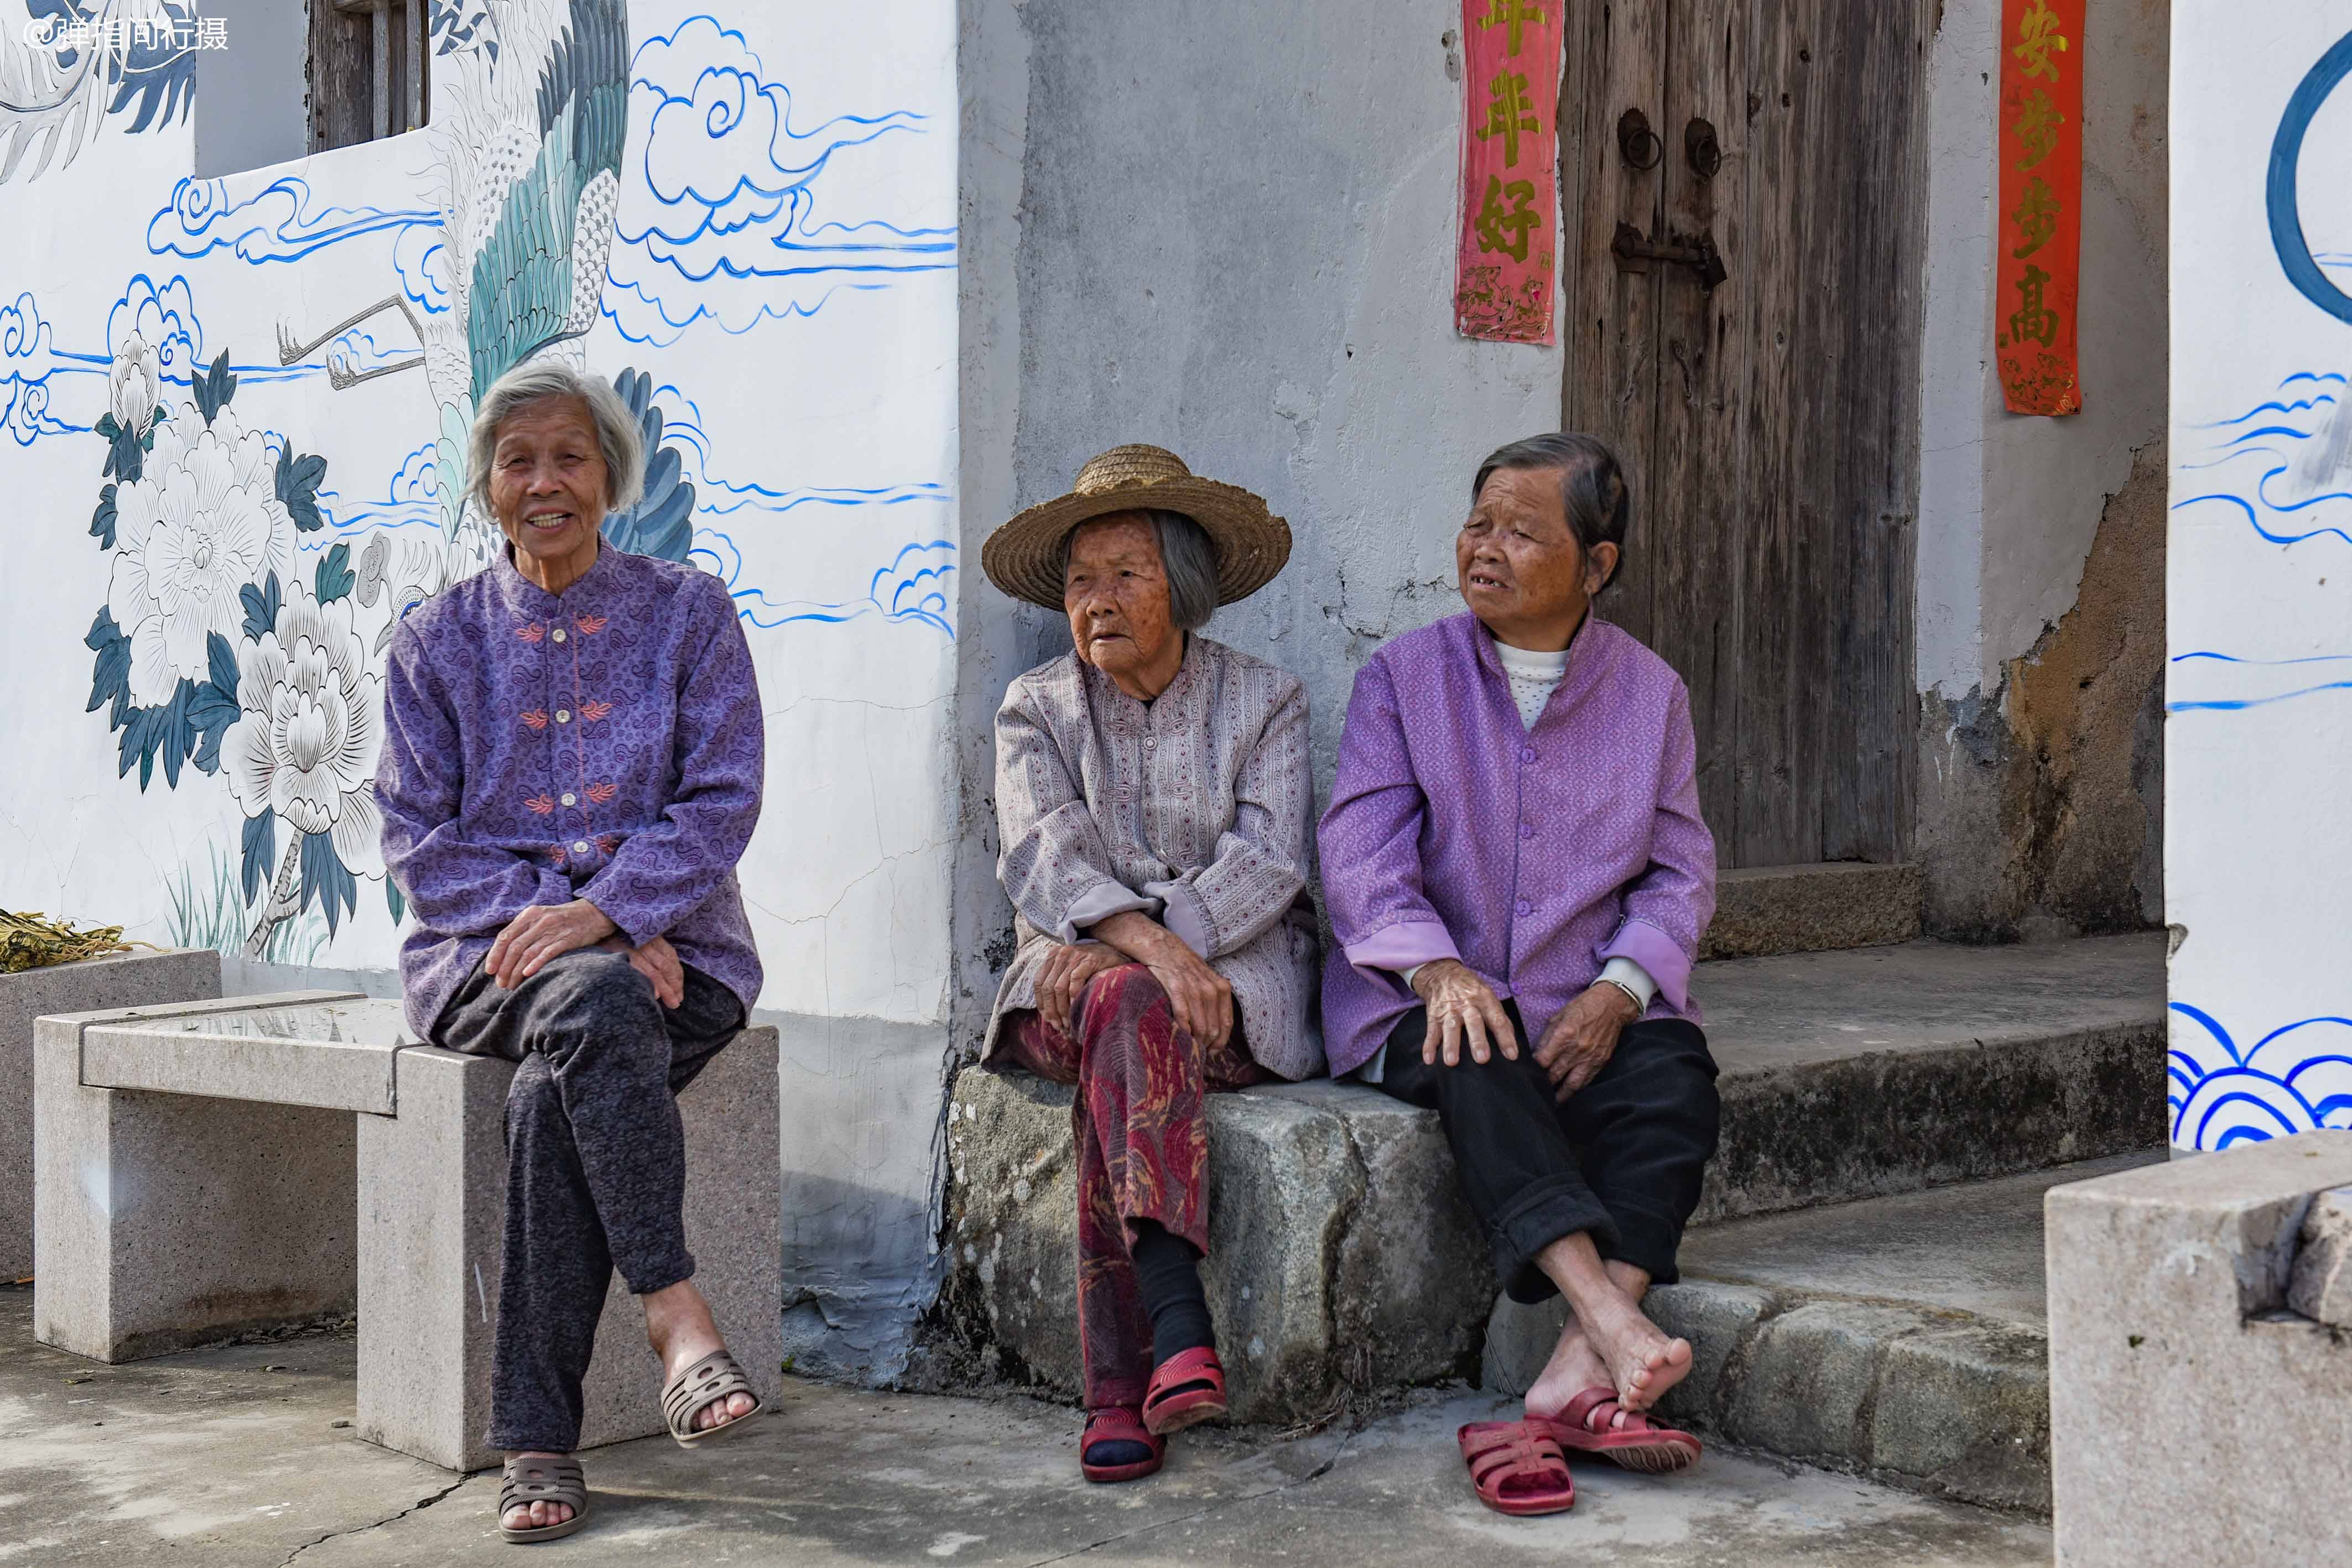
252	103
2041	574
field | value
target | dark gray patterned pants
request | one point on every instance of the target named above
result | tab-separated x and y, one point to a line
595	1162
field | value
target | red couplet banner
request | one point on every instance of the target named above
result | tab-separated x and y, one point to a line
2040	219
1510	159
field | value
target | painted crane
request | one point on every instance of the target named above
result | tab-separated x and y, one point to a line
529	158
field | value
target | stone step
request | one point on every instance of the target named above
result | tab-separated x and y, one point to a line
1904	1338
1343	1257
1760	911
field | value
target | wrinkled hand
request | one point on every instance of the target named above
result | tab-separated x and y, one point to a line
544	931
1202	999
657	961
1063	979
1581	1040
1462	1008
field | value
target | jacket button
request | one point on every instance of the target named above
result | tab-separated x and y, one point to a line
581	848
570	798
1529	755
1527	830
563	715
1525	907
557	634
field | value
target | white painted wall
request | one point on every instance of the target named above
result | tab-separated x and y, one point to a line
2259	737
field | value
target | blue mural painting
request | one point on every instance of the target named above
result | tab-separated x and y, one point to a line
60	68
2295	1078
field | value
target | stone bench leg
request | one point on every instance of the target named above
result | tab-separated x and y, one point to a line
130	981
165	1220
433	1190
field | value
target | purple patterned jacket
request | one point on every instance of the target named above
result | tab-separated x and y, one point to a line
605	744
1533	855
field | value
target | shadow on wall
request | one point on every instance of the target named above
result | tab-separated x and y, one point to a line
2041	805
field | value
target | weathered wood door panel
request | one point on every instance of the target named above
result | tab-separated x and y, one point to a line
1768	420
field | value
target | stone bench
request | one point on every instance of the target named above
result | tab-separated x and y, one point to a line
2201	1371
208	1169
122	980
1343	1257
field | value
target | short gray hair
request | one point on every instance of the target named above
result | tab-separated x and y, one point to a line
536	381
1186	558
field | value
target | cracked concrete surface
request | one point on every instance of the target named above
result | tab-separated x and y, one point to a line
231	1457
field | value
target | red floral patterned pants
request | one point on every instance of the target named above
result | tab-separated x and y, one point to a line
1143	1150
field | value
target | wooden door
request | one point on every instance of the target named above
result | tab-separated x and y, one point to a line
1768	422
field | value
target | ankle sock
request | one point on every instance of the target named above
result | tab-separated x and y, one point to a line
1168	1272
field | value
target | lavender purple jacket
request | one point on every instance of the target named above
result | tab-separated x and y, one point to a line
605	743
1533	855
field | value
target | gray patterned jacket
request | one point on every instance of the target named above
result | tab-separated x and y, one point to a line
1193	808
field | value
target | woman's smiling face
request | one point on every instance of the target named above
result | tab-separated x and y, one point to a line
547	486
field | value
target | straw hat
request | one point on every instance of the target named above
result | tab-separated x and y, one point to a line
1024	557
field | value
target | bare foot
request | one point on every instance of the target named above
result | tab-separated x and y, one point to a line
1574	1367
535	1515
677	1322
1642	1361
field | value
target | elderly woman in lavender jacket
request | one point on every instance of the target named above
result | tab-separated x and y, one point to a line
571	767
1517	871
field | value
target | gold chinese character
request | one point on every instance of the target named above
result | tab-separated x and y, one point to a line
1513	14
2033	321
1506	228
2037	36
1511	113
2035	216
2038	120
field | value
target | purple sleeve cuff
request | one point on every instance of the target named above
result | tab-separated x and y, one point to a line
1659	955
1184	916
1098	903
1402	946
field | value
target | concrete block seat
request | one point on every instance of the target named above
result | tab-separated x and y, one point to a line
2197	1409
260	1160
120	980
1342	1255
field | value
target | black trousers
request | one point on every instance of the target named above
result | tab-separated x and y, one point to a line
1622	1161
595	1162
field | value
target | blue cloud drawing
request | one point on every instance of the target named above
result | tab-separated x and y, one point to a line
26	363
274	224
718	212
2295	1078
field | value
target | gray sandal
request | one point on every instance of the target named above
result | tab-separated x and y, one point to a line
531	1480
713	1378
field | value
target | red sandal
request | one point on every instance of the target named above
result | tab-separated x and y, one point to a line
1639	1444
1517	1468
1186	1389
1120	1424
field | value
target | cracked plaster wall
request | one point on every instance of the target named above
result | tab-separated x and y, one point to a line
2040	614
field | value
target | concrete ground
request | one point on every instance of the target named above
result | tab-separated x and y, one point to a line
234	1456
1974	1248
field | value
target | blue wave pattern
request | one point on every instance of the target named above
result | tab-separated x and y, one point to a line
717	219
2295	1078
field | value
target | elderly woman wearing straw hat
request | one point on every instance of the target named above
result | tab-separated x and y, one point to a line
571	767
1153	799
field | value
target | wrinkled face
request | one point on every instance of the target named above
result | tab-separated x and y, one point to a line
548	483
1116	591
1519	562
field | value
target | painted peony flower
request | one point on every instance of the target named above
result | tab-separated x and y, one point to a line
132	383
305	743
203	522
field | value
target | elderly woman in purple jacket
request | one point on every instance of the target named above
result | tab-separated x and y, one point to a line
571	767
1518	875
